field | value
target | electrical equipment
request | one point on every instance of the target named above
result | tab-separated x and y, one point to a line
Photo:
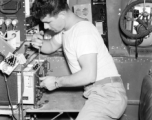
99	18
9	63
10	34
21	88
137	17
28	94
28	80
12	22
25	85
31	90
136	27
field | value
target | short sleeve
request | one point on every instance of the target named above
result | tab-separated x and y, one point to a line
85	45
58	38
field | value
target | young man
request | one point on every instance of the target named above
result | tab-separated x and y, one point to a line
88	58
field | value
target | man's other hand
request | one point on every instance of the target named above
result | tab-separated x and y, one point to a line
37	40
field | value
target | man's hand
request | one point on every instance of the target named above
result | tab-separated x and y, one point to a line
37	40
48	82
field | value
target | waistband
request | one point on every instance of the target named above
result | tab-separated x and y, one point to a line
108	80
105	81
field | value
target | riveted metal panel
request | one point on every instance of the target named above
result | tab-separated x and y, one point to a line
116	46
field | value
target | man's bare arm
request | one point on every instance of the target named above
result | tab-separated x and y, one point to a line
86	75
46	46
50	46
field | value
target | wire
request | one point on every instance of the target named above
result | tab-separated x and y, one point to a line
129	2
30	59
19	47
20	104
5	2
39	51
9	99
22	91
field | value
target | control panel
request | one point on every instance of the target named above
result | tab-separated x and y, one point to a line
12	22
30	82
99	18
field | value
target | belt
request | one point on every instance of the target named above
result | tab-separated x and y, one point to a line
104	81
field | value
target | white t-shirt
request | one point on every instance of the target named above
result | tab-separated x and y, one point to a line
84	38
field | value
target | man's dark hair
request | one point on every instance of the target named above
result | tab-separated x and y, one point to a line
41	8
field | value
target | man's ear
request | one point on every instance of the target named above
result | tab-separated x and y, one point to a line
62	14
